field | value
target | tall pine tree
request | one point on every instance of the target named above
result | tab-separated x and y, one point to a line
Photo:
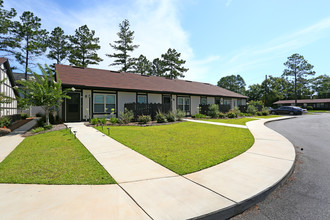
172	64
32	38
58	45
83	47
124	46
142	65
7	41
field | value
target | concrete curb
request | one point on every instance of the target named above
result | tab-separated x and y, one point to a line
248	203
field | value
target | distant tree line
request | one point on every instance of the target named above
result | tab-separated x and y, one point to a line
294	83
25	40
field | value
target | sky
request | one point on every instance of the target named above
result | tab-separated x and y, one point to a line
217	38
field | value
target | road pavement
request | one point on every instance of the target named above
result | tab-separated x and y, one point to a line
306	193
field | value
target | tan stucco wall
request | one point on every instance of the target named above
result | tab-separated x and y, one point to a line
210	100
154	98
195	101
125	97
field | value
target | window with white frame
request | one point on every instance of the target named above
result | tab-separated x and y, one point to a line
103	103
184	104
203	100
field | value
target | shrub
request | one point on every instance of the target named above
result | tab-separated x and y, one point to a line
199	115
309	107
170	117
126	116
242	114
180	114
48	127
38	114
144	119
160	117
235	110
231	114
103	121
265	111
24	116
5	121
114	120
221	115
94	121
259	113
213	111
251	109
38	129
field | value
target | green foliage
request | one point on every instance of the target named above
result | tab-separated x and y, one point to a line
321	86
103	121
126	116
259	113
251	109
236	111
144	119
170	117
83	47
265	111
231	114
184	147
39	114
5	122
221	115
309	107
180	115
114	120
38	129
48	127
142	65
55	157
199	115
94	121
157	67
172	64
24	116
58	45
233	83
42	91
160	117
7	41
124	46
213	111
28	32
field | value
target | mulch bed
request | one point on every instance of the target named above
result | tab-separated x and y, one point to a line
151	123
19	123
55	128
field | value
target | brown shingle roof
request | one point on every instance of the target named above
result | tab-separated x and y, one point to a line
3	60
301	101
97	78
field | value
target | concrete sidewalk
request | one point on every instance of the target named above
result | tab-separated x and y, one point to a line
10	141
147	190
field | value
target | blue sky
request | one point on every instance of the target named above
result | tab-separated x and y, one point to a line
216	37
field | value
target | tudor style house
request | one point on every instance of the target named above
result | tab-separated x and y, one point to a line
96	92
7	88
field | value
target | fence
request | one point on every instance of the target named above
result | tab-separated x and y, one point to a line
147	109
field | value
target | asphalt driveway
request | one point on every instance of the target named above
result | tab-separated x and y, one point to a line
306	193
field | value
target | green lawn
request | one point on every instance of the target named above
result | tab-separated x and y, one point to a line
237	121
52	158
318	111
184	147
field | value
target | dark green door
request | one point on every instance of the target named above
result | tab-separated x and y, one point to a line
73	107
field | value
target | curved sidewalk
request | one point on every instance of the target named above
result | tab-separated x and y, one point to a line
147	190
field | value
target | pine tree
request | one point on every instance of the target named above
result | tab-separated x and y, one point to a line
83	47
8	42
157	67
33	38
142	65
124	46
298	68
58	45
173	64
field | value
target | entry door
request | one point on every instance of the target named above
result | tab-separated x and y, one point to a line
167	103
73	107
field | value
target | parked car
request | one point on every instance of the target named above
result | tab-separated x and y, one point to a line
291	110
302	109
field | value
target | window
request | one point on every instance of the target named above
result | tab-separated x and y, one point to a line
227	101
203	100
217	100
142	99
104	103
184	104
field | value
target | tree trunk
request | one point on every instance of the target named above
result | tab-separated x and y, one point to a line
295	88
27	57
47	114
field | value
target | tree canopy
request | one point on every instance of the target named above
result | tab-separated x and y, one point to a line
58	45
172	64
28	31
142	66
83	47
124	46
233	83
